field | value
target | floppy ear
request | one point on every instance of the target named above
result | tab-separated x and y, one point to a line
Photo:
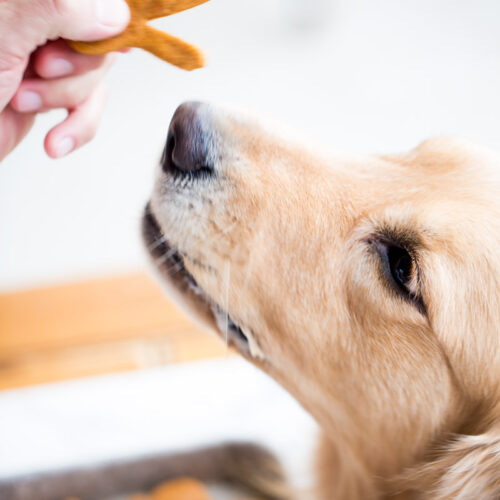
468	467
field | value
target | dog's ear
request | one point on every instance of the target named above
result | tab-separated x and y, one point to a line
449	153
441	144
468	467
437	154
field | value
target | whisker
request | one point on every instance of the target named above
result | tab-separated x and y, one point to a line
164	258
158	242
175	268
227	275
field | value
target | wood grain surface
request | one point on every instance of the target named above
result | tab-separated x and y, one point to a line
93	328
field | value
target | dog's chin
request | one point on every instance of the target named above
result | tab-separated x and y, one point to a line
182	287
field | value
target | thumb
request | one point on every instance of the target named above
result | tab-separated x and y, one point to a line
89	20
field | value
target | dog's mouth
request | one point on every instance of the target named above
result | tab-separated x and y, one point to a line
170	263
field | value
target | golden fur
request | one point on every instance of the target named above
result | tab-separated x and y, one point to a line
282	240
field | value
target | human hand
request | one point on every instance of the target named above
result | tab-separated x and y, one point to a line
37	74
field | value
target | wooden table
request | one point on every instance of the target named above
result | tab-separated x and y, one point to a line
92	328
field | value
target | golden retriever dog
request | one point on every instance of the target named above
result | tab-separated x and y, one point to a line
368	286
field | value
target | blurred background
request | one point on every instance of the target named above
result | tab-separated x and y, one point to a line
360	75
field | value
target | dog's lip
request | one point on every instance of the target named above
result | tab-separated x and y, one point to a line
172	262
160	249
152	234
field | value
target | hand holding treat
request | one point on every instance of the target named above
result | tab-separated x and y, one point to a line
39	73
140	34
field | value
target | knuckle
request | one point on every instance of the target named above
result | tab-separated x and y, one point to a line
88	130
87	63
72	96
10	62
88	123
59	7
72	93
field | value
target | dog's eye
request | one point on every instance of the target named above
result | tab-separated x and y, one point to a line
401	266
400	269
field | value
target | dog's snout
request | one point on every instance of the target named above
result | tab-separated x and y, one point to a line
187	148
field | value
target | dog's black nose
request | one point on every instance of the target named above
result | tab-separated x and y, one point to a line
187	148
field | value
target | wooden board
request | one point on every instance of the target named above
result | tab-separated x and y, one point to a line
92	328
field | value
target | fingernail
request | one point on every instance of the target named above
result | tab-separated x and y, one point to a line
59	67
113	12
64	147
28	101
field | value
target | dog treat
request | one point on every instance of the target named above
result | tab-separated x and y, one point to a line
180	489
139	34
186	489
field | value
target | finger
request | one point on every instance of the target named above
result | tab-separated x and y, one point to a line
79	127
13	127
42	95
90	20
57	59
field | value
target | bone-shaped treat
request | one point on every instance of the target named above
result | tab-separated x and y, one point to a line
139	34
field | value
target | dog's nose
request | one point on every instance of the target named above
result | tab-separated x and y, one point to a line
187	142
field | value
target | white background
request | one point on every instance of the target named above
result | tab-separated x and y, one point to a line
362	75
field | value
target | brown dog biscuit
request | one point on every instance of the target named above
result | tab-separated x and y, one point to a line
139	34
185	489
